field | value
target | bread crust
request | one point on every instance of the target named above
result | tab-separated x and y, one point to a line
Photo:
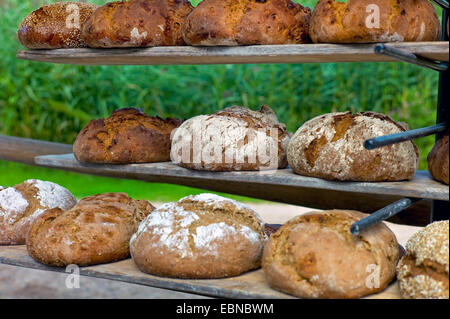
96	230
137	23
126	136
315	256
438	160
247	22
331	147
355	21
47	28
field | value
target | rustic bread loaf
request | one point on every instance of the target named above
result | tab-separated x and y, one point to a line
423	272
25	202
137	23
367	21
438	160
235	138
315	256
247	22
203	236
331	147
55	26
96	230
126	136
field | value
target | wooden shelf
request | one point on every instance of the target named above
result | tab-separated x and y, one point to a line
301	53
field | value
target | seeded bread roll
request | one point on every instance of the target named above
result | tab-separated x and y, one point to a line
96	230
126	136
438	160
203	236
234	139
367	21
331	147
55	26
315	256
137	23
25	202
247	22
423	272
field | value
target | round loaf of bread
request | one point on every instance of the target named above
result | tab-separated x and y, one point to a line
423	272
331	147
137	23
126	136
96	230
316	256
438	160
25	202
367	21
235	139
203	236
247	22
55	26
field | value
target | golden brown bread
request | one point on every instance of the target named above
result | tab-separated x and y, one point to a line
55	26
96	230
438	160
366	21
247	22
315	256
126	136
137	23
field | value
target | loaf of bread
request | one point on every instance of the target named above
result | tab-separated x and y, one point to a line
22	204
331	147
126	136
55	26
247	22
367	21
96	230
233	139
438	160
137	23
203	236
316	256
423	272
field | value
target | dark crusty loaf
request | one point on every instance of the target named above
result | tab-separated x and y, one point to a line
438	160
247	22
126	136
137	23
96	230
331	146
55	26
366	21
315	256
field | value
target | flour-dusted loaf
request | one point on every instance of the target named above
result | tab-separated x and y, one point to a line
331	146
316	256
22	204
55	26
423	272
367	21
233	139
247	22
126	136
438	160
137	23
96	230
202	236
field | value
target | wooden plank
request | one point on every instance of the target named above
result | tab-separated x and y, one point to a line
299	53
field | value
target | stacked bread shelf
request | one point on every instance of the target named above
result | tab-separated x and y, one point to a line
281	185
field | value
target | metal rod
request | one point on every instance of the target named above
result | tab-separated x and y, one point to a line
442	3
409	57
382	214
381	141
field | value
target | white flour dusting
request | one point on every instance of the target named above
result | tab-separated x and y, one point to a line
12	204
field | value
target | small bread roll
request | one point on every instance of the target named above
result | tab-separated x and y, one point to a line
438	160
423	272
202	236
331	147
316	256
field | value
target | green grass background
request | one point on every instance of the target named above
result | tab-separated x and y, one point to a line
53	102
